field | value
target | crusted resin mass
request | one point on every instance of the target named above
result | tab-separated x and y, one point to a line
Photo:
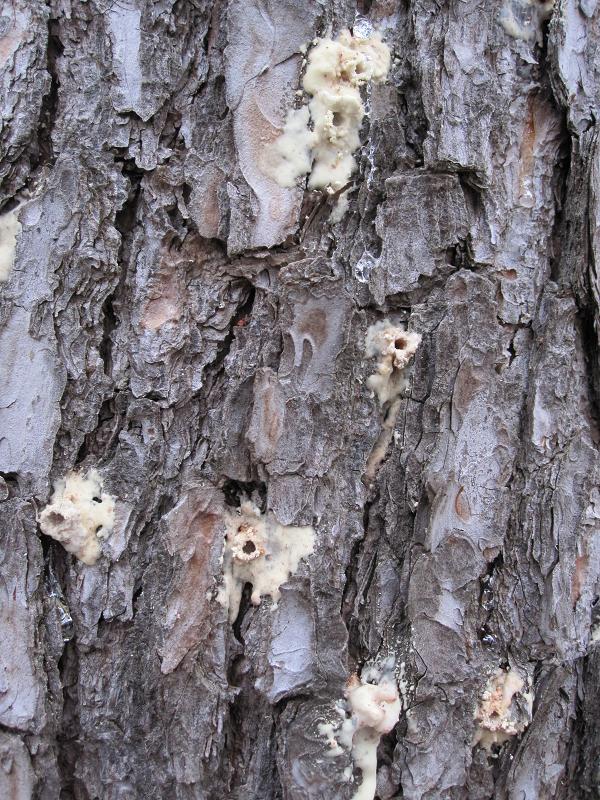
261	551
523	19
504	709
372	708
79	515
10	227
393	347
321	138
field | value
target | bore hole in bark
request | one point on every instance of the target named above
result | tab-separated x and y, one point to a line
249	547
400	343
54	518
338	118
96	499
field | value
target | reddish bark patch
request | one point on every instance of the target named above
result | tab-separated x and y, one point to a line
195	534
579	576
461	505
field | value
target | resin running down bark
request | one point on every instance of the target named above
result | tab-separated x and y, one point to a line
261	552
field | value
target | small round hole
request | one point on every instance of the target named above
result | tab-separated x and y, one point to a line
249	547
97	499
338	118
400	343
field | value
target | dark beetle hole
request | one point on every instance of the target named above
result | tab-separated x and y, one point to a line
96	499
400	344
249	547
338	118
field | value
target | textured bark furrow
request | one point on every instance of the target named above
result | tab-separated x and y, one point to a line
43	154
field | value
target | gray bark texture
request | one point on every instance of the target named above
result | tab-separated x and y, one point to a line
196	333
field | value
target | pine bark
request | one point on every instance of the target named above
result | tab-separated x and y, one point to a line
195	332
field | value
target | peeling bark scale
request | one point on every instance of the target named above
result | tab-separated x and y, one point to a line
222	366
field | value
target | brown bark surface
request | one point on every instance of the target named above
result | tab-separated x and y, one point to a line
179	322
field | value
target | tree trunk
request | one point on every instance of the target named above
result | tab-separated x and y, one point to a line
195	333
